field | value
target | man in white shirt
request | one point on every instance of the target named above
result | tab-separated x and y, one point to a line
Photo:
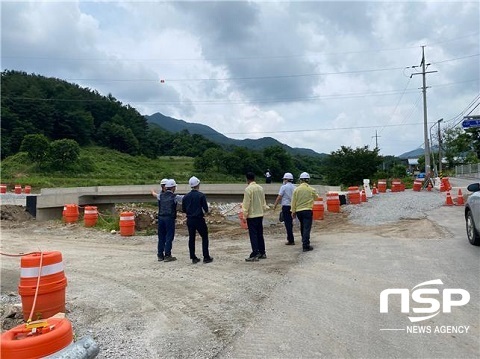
285	196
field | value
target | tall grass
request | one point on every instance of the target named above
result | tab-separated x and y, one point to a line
97	166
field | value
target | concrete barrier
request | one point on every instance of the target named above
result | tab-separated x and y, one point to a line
50	202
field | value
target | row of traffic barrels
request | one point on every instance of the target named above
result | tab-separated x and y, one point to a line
17	190
396	186
42	290
333	205
71	215
444	184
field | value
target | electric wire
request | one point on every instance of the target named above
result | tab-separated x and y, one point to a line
398	102
241	102
270	77
461	114
49	58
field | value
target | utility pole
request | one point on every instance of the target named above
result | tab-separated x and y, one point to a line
439	147
376	139
425	127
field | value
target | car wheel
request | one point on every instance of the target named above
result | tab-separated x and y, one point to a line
472	233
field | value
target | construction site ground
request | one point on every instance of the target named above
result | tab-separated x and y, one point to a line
134	306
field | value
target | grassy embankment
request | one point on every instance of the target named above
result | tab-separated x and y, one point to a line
97	166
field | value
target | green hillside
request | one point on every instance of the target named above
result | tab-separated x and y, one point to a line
58	134
98	166
54	133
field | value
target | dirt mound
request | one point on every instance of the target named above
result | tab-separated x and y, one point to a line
14	213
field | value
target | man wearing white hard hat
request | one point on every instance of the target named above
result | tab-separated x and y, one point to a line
167	213
163	182
285	196
195	205
302	208
253	207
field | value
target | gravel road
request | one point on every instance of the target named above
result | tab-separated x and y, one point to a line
136	307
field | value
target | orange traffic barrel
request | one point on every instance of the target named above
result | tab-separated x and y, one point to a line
318	208
18	189
417	185
3	188
243	221
397	186
27	190
70	213
90	216
445	185
51	286
127	223
382	185
333	202
354	195
36	340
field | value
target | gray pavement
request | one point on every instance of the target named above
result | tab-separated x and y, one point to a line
328	305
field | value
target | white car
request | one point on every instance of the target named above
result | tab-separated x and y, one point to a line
472	214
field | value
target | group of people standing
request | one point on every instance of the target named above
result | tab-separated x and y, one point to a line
296	202
194	204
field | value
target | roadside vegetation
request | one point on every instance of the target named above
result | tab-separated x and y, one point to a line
57	134
95	166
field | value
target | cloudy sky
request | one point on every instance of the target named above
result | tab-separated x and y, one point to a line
312	74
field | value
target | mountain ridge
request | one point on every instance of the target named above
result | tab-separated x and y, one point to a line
416	153
172	124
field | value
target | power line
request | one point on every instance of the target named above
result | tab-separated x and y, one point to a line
245	78
221	102
314	130
399	100
461	114
454	59
241	102
116	59
473	109
239	78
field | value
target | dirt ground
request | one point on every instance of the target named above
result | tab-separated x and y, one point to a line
136	307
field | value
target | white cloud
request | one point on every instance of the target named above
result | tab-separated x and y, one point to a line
281	69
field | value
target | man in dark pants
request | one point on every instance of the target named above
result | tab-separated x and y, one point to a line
285	197
253	206
302	208
195	205
167	213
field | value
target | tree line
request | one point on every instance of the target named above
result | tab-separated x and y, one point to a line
52	119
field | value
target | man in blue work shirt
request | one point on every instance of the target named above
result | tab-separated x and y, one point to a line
195	205
167	213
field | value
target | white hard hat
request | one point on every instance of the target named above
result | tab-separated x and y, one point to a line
170	183
288	176
164	181
304	175
193	181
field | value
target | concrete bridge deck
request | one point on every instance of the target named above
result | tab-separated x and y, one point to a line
50	201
